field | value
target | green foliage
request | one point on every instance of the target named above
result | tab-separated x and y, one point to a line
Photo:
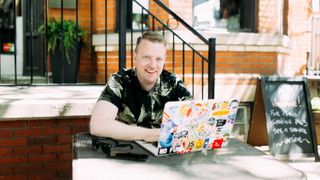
71	34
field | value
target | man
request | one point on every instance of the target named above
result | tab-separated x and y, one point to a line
131	105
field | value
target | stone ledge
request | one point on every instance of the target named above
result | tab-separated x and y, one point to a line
239	42
39	102
43	102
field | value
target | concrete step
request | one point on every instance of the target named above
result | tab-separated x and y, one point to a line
23	80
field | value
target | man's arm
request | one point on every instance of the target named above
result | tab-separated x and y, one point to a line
103	123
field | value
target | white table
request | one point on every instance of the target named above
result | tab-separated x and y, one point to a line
236	160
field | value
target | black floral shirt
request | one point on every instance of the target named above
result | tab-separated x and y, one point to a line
136	106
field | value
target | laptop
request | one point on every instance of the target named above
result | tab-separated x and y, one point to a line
196	125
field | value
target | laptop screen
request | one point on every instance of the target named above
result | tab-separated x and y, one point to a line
189	126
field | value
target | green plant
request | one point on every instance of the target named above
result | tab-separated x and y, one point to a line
71	34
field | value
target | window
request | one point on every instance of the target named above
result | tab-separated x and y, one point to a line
231	15
134	11
241	126
139	20
7	25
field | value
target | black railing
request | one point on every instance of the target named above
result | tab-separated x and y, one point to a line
196	69
211	48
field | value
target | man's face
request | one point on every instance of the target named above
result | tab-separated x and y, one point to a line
149	62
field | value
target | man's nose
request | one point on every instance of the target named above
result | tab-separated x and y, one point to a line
153	62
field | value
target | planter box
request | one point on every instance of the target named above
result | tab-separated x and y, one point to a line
62	70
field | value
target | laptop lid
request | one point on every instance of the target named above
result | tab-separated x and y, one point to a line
189	126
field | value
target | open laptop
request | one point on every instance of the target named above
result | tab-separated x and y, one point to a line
189	126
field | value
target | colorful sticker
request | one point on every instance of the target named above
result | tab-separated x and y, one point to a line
193	126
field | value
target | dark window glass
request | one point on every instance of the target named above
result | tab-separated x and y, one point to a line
231	15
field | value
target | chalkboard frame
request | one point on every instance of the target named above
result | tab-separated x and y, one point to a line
292	81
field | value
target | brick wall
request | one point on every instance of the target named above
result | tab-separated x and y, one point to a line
159	13
38	149
293	18
268	16
182	8
226	62
273	17
299	29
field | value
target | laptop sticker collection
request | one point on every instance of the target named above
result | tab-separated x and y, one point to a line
190	130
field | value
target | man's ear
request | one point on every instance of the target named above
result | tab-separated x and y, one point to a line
134	56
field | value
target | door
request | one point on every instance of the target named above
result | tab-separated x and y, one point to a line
33	44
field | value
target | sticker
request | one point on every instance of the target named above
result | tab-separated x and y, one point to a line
199	144
222	112
217	143
221	122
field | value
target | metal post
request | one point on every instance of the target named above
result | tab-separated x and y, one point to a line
15	42
61	43
122	33
212	67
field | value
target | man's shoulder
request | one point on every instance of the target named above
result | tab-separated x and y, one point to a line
169	77
124	75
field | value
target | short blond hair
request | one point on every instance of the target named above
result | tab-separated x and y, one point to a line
151	36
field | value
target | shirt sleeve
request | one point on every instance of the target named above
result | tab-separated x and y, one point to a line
113	91
181	91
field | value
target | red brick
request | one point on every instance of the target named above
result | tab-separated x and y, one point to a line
5	132
57	148
42	175
57	166
42	158
73	122
28	132
65	156
27	168
64	173
5	151
78	129
42	140
6	170
13	124
13	160
13	177
28	150
13	142
57	130
63	139
42	123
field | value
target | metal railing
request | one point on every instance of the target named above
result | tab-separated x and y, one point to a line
190	64
210	61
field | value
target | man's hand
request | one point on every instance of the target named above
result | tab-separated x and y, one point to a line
152	135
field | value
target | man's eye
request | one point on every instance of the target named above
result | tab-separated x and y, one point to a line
159	60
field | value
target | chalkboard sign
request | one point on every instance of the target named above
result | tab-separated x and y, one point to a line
290	125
